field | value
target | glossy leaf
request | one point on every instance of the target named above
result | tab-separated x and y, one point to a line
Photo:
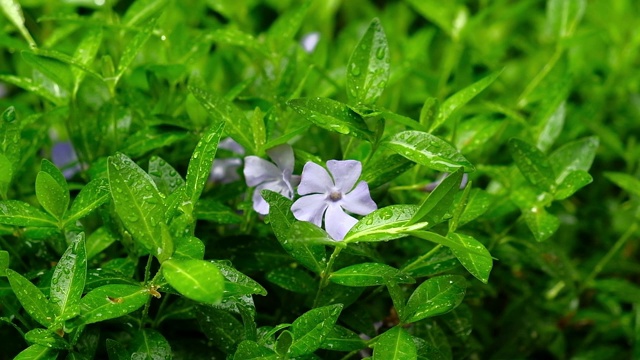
342	339
251	350
573	182
98	241
138	203
47	339
142	10
286	25
51	196
627	182
13	11
312	327
4	262
461	98
395	344
428	150
6	174
167	179
473	256
57	71
33	87
442	260
563	16
533	165
188	247
331	115
541	223
86	52
292	279
283	343
134	46
573	156
18	213
92	196
110	302
478	203
217	212
437	206
384	224
150	344
281	218
201	161
368	67
37	352
369	274
69	276
220	109
149	139
220	327
237	283
32	299
436	296
198	280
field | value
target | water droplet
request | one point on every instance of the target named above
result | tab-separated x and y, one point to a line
9	115
132	218
380	53
355	70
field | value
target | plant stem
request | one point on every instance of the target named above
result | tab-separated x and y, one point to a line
609	255
324	276
421	258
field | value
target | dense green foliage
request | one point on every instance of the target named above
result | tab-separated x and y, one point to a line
499	140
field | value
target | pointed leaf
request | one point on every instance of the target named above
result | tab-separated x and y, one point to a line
368	67
369	274
198	280
251	350
201	161
627	182
438	205
32	299
91	197
436	296
573	182
395	344
383	224
540	222
69	276
533	165
110	302
572	156
18	213
51	196
167	179
473	256
150	344
134	46
37	352
331	115
310	329
428	150
47	339
13	11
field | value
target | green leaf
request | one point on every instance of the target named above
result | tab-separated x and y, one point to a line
85	53
4	262
37	352
395	344
150	344
292	279
220	109
461	98
368	67
281	218
201	161
13	11
573	156
428	150
342	339
32	299
304	232
33	87
473	256
134	46
6	174
116	350
222	328
69	276
10	131
251	350
331	115
478	203
91	197
110	302
310	329
427	351
460	205
383	167
436	296
142	10
627	182
57	71
98	241
287	25
283	343
188	247
442	260
459	321
151	138
217	212
369	274
18	213
533	165
573	182
47	338
551	126
51	195
237	283
563	17
429	111
138	203
383	224
167	179
198	280
438	205
541	223
435	11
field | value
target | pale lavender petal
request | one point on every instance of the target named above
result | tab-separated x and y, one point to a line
282	155
359	201
345	173
464	181
260	205
337	222
64	157
225	170
295	180
257	171
231	145
315	179
310	208
309	41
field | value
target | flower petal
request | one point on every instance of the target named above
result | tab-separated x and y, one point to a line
257	171
345	173
231	145
64	157
337	222
309	41
225	170
282	155
310	208
260	205
359	201
315	179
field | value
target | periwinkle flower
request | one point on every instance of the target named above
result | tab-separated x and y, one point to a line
226	170
310	41
264	175
64	157
328	196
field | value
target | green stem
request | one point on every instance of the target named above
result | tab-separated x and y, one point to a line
421	258
609	255
522	100
324	276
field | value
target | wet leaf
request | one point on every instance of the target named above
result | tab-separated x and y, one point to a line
198	280
436	296
331	115
369	274
110	302
32	299
428	150
69	276
382	224
201	162
312	327
394	344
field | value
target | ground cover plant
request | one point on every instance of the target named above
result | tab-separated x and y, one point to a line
291	179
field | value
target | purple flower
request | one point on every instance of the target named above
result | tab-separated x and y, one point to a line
309	41
331	195
265	175
226	170
65	158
